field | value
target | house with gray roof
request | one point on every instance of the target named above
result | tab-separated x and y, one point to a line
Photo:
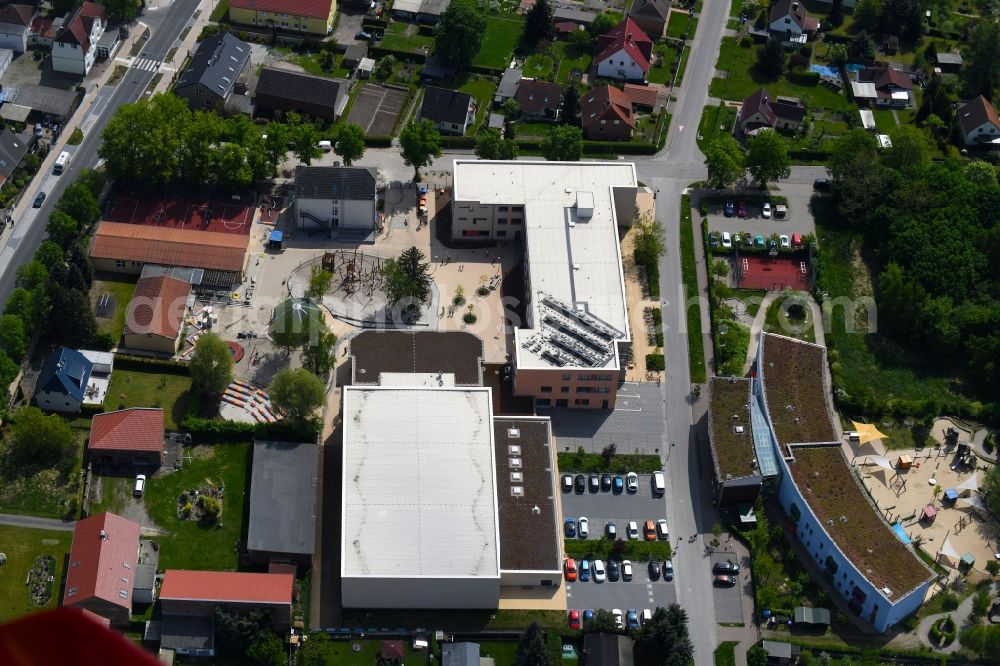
15	26
217	72
451	111
337	199
283	502
63	381
280	89
13	148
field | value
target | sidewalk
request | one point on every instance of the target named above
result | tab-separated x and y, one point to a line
184	48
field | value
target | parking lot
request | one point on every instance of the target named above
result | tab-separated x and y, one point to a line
798	220
635	424
728	600
600	508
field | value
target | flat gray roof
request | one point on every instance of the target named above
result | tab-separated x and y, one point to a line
283	498
419	490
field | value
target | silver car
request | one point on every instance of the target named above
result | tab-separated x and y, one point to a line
597	569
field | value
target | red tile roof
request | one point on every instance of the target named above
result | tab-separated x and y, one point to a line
534	96
43	27
227	586
640	95
77	28
17	14
976	113
606	103
138	429
158	306
91	615
171	247
102	560
312	8
627	36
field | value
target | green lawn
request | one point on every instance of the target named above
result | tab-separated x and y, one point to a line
570	60
220	11
678	25
539	66
742	81
884	120
22	545
121	292
502	35
395	37
115	491
790	323
692	309
504	653
725	654
135	388
533	130
663	70
684	63
715	121
482	90
47	493
191	546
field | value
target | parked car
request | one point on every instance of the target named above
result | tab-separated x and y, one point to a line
661	528
605	482
39	200
747	239
632	482
570	528
780	211
600	574
785	242
646	615
758	240
581	483
727	567
727	240
617	613
618	485
822	184
588	615
611	531
659	483
567	483
585	570
632	530
583	527
649	530
595	483
633	619
725	581
614	570
766	210
796	241
668	569
730	209
140	485
713	239
626	570
742	212
654	570
569	569
361	34
574	619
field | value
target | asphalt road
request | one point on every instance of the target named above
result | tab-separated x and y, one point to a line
36	523
166	24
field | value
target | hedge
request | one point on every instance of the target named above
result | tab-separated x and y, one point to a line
621	463
408	56
608	147
141	363
655	362
219	430
458	141
378	141
603	549
810	155
804	77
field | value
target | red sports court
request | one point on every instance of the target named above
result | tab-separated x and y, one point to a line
773	273
179	212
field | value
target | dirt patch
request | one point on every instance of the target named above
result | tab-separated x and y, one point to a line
638	302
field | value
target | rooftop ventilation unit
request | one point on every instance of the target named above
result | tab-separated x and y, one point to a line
513	433
515	463
517	491
517	477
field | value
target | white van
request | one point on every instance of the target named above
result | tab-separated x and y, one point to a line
647	615
326	146
61	163
659	485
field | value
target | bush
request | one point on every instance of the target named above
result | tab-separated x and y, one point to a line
949	601
141	364
655	362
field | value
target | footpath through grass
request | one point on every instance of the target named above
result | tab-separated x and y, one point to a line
692	306
22	545
191	545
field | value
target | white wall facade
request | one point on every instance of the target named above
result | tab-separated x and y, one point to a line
72	59
622	66
424	592
13	38
786	27
985	133
57	402
344	214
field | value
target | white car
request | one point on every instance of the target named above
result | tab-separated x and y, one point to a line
632	482
140	485
583	527
767	209
661	528
619	617
727	239
626	570
632	530
597	569
785	243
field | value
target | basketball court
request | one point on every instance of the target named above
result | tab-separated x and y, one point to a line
176	212
773	273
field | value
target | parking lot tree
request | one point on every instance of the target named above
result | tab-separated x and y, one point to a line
304	139
725	161
571	104
350	143
564	143
491	145
13	339
318	357
981	73
767	157
608	453
211	365
460	33
771	59
297	393
39	441
538	24
62	228
79	203
603	622
532	649
420	143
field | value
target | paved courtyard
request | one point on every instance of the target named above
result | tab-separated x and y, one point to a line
636	424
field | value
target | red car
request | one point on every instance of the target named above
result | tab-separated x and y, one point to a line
742	211
570	569
574	619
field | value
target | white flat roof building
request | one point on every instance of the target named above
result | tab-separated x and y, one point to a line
571	211
420	513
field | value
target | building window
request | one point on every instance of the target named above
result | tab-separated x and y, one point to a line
794	512
567	377
546	389
564	389
584	377
581	401
602	389
501	234
517	209
501	220
543	402
119	264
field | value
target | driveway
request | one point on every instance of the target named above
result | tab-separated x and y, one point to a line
797	221
348	26
728	600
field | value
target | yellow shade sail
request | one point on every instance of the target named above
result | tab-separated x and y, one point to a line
868	432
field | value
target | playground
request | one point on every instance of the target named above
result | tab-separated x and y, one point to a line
772	273
178	212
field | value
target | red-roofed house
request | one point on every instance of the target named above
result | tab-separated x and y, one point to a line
74	48
15	26
893	87
198	593
642	96
102	566
127	437
156	314
624	53
979	123
606	114
314	17
788	21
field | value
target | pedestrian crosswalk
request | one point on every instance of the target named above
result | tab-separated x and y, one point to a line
146	64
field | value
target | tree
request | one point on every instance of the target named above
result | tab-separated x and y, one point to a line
231	168
904	17
407	278
235	631
62	229
72	316
510	109
981	74
267	649
198	153
142	141
385	67
31	274
725	161
980	173
51	256
859	180
490	145
603	23
838	54
938	100
275	143
836	15
608	453
460	33
771	58
350	143
665	640
318	358
304	139
563	144
531	648
980	603
991	489
603	622
319	283
648	240
211	365
122	10
79	203
39	441
316	650
767	157
13	339
862	46
420	143
993	568
909	152
571	105
296	323
756	656
297	393
538	24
